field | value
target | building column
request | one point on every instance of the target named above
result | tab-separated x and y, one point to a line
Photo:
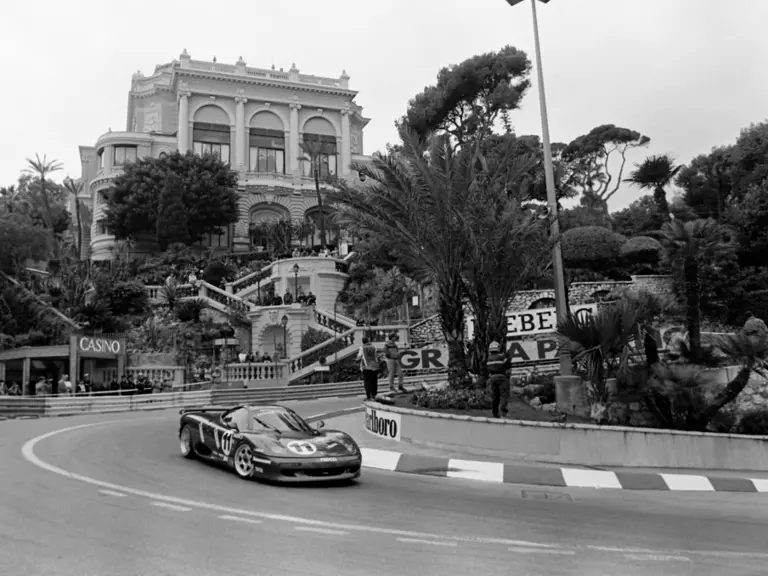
240	133
26	371
293	147
346	143
183	132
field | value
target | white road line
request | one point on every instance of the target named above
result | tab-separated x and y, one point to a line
321	530
657	557
113	493
541	551
28	453
577	478
240	519
171	506
421	541
688	482
761	485
474	470
381	459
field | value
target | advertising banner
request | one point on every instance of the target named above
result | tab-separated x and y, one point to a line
383	424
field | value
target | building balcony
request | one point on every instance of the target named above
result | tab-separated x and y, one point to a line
124	138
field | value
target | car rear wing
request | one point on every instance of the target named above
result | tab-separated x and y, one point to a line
204	409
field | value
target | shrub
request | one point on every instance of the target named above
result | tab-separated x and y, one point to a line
755	422
217	272
190	310
453	399
124	298
312	338
591	246
641	250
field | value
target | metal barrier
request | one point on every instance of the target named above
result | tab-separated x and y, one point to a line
21	407
308	392
16	407
71	405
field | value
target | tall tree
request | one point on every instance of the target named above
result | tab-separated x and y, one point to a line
172	225
589	155
687	244
42	169
469	98
505	245
75	188
410	201
707	183
208	195
655	173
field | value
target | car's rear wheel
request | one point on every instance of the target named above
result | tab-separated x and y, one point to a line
185	442
243	461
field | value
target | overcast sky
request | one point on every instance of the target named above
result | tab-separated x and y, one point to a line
687	73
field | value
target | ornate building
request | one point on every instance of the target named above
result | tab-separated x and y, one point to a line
254	118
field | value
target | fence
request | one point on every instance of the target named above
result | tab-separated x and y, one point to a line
39	406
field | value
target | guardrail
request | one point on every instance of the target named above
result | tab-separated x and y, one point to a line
39	406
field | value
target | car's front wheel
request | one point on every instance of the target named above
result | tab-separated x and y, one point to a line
185	442
243	461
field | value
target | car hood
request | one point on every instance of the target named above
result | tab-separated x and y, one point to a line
299	444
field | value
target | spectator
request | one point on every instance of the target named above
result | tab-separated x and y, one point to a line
3	388
15	389
288	298
301	298
392	354
498	370
369	365
311	299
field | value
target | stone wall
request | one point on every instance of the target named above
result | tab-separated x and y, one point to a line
428	332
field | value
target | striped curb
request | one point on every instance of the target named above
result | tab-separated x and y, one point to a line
499	472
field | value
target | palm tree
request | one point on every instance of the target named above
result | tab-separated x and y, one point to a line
42	168
506	245
316	152
410	203
655	173
75	187
686	243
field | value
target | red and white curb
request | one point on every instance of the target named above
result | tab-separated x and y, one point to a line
499	472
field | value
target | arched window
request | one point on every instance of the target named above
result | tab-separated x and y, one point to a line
211	133
266	144
320	141
542	303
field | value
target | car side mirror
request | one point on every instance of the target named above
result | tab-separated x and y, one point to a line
320	425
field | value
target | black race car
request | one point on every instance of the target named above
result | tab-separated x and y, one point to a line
269	442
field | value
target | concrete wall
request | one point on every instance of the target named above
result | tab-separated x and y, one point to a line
581	444
428	331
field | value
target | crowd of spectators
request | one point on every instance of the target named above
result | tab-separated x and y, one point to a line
64	386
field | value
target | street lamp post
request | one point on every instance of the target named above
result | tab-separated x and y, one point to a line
295	282
284	321
549	175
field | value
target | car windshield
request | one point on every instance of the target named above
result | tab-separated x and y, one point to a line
280	420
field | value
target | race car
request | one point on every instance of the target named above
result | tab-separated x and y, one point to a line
268	442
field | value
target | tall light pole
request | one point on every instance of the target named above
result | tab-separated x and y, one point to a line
549	175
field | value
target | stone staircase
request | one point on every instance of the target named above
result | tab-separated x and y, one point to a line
214	297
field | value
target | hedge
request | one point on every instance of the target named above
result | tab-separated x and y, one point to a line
641	249
590	246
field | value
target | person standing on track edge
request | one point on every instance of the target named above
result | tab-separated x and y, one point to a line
498	379
369	365
393	364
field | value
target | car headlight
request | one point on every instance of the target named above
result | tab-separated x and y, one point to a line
274	447
348	444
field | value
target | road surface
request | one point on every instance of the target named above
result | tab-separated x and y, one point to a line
116	498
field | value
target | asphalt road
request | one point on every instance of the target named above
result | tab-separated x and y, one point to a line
132	506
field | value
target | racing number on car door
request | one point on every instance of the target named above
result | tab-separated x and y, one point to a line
223	441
